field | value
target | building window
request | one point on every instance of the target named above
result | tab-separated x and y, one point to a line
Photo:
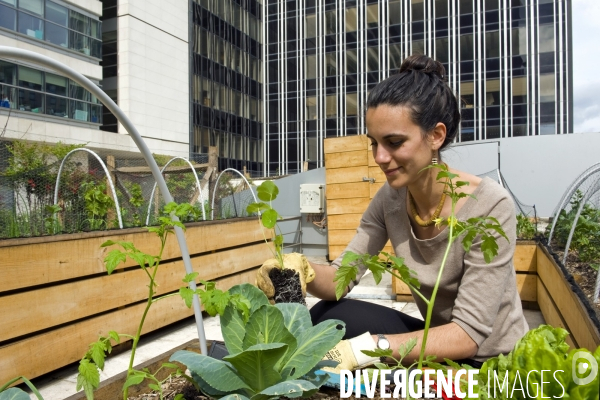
372	16
28	89
546	88
546	38
418	13
53	23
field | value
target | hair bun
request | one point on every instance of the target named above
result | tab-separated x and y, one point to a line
424	64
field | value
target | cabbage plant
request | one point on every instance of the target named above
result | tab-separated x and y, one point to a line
274	351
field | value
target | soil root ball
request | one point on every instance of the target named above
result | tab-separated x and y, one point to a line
287	286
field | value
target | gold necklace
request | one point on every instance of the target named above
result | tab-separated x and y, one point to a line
436	213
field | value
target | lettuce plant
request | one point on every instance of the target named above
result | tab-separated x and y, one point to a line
274	351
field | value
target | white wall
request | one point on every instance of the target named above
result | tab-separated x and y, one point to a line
153	71
538	169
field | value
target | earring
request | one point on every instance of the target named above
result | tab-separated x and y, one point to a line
434	159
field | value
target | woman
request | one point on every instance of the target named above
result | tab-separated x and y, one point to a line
410	118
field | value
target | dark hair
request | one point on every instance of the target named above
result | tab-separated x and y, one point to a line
420	84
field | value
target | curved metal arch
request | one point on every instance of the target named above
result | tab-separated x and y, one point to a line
593	190
112	186
212	203
62	69
197	184
566	197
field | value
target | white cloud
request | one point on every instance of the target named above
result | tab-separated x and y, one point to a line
586	59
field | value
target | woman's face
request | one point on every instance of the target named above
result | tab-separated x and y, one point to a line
398	145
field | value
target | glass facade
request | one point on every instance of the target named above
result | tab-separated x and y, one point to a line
509	61
227	82
54	23
27	89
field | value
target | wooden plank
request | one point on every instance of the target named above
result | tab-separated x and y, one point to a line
341	237
343	221
570	307
54	261
377	174
371	160
346	175
346	159
525	259
550	312
75	300
40	354
348	190
345	206
345	143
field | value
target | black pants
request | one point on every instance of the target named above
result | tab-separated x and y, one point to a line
361	317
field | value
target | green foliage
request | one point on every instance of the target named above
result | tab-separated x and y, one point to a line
267	192
525	228
16	393
543	348
92	362
274	352
136	200
586	237
97	204
481	227
51	222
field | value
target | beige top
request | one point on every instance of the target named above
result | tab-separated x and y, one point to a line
481	298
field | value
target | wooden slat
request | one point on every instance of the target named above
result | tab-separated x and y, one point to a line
343	144
371	161
346	159
574	313
51	350
341	237
346	175
343	221
348	190
56	261
525	258
74	300
377	174
344	206
550	312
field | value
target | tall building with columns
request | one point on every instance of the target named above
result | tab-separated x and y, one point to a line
509	61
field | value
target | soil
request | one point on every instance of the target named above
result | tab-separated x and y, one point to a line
287	286
584	277
179	385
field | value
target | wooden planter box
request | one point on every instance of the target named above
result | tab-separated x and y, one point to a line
56	297
543	285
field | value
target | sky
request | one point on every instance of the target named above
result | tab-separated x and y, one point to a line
586	65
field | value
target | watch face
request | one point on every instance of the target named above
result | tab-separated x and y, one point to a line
383	344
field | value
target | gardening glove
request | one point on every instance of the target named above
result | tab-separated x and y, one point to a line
349	355
295	261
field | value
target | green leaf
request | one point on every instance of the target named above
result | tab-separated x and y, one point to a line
278	240
256	364
255	296
190	277
269	218
378	353
97	353
233	329
296	317
313	344
14	394
489	247
343	276
406	348
235	396
114	336
113	259
267	191
187	295
256	207
291	389
135	379
216	373
267	325
88	378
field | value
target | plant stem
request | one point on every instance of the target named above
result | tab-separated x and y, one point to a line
138	334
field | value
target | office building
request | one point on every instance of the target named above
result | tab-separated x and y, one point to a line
509	61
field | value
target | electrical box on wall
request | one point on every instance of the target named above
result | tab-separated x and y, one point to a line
312	198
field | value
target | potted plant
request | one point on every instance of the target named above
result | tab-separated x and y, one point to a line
286	281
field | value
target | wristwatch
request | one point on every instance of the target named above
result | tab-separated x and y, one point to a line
383	344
